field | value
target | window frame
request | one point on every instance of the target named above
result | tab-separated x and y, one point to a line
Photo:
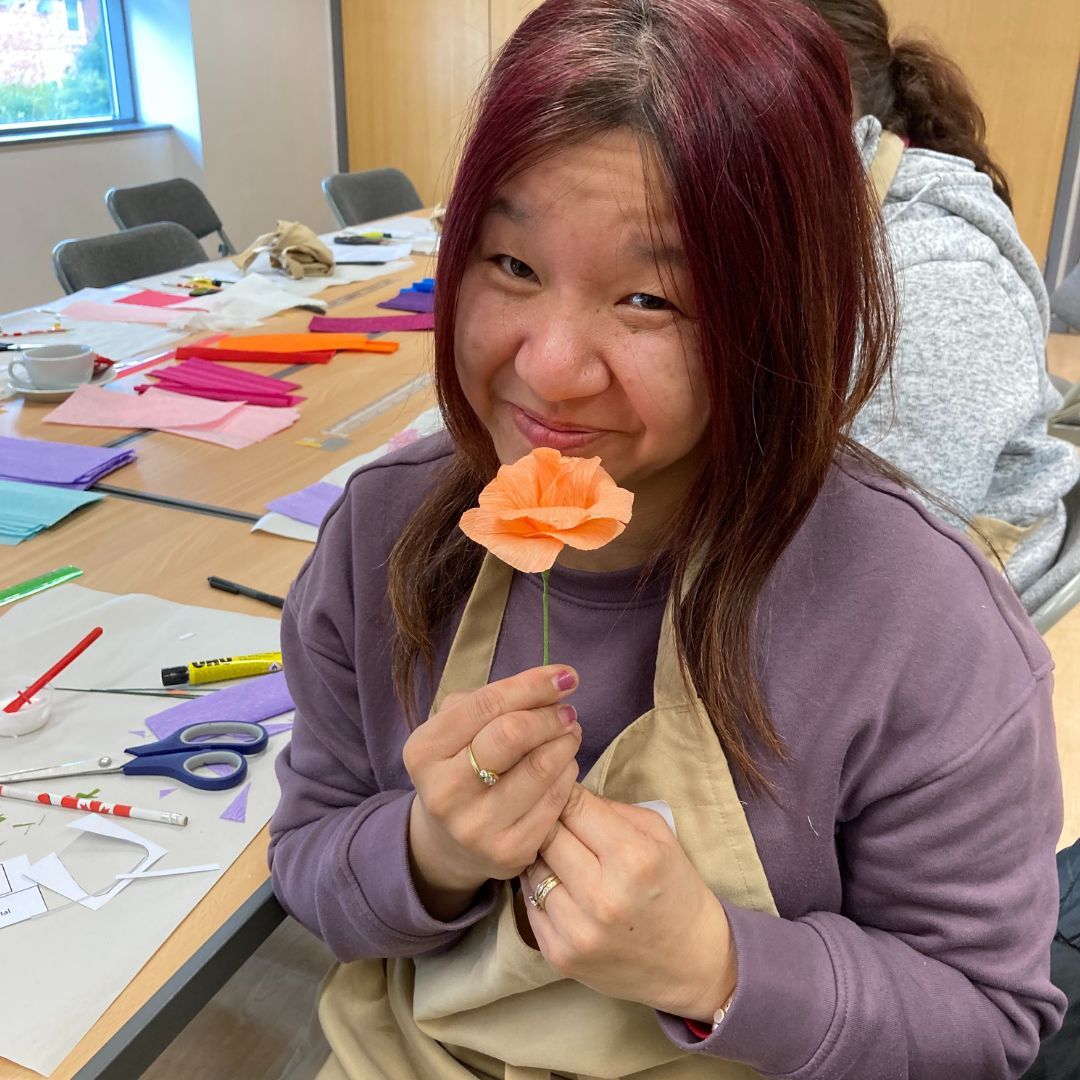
123	85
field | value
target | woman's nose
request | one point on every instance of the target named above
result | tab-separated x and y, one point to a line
560	356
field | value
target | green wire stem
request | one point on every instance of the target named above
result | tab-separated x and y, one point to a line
544	576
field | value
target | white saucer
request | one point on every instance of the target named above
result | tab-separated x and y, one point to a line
34	394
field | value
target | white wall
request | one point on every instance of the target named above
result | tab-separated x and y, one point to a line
248	86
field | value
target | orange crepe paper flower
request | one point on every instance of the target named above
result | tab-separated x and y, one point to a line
541	503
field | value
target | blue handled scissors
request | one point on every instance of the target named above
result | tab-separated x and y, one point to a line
178	756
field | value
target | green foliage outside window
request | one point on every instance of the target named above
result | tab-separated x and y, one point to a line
84	91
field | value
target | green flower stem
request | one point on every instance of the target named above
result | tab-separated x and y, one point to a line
544	576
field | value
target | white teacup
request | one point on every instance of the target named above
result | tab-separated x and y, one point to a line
53	367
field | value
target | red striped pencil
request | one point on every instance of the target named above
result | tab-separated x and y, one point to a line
93	806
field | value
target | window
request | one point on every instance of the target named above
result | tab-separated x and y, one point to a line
63	66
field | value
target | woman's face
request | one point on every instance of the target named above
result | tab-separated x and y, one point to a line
573	328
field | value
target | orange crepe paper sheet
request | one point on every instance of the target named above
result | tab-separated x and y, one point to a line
307	343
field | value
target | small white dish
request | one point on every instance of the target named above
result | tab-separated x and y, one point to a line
30	717
32	393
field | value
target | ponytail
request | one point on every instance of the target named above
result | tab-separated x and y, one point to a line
934	107
911	87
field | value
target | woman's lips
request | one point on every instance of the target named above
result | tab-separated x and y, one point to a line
537	432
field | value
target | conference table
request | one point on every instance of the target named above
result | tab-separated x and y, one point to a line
181	511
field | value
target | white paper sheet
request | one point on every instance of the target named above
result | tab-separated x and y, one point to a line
19	906
368	253
117	341
142	634
419	231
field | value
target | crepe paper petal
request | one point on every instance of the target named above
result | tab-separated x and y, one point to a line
237	809
543	502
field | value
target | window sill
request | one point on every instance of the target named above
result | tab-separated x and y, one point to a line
28	138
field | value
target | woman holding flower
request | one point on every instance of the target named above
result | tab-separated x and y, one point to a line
660	253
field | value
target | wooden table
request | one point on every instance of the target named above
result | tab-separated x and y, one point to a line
127	545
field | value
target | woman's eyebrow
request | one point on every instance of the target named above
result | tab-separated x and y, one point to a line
507	208
643	251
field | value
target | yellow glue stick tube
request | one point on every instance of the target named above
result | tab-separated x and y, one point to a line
221	668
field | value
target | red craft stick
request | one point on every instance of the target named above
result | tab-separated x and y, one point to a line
17	703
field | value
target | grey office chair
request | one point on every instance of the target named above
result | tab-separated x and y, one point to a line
100	261
176	200
1065	302
367	196
1058	590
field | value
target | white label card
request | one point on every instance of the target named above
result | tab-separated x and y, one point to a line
24	904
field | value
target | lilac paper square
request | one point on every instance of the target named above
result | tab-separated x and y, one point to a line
309	505
38	461
410	301
253	699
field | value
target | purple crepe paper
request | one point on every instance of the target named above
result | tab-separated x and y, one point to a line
277	729
38	461
139	732
254	699
309	505
237	809
165	791
410	301
373	324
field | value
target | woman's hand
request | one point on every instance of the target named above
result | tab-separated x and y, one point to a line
632	918
463	832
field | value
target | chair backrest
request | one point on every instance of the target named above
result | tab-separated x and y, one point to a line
100	261
357	197
1065	302
1066	566
176	200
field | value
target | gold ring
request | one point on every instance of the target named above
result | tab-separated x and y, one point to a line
539	897
485	776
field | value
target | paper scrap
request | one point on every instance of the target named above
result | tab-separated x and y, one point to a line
277	729
165	791
237	809
99	825
309	505
50	873
138	876
14	872
18	906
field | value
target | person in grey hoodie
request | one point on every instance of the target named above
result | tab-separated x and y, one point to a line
964	412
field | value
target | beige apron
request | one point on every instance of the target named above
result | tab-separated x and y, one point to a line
492	1006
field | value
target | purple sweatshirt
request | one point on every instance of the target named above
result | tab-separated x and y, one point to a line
910	851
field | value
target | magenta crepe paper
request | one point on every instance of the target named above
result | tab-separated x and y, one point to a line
372	324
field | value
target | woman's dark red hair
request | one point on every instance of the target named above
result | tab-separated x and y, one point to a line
743	108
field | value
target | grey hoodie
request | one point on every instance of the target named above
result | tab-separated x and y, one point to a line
965	410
